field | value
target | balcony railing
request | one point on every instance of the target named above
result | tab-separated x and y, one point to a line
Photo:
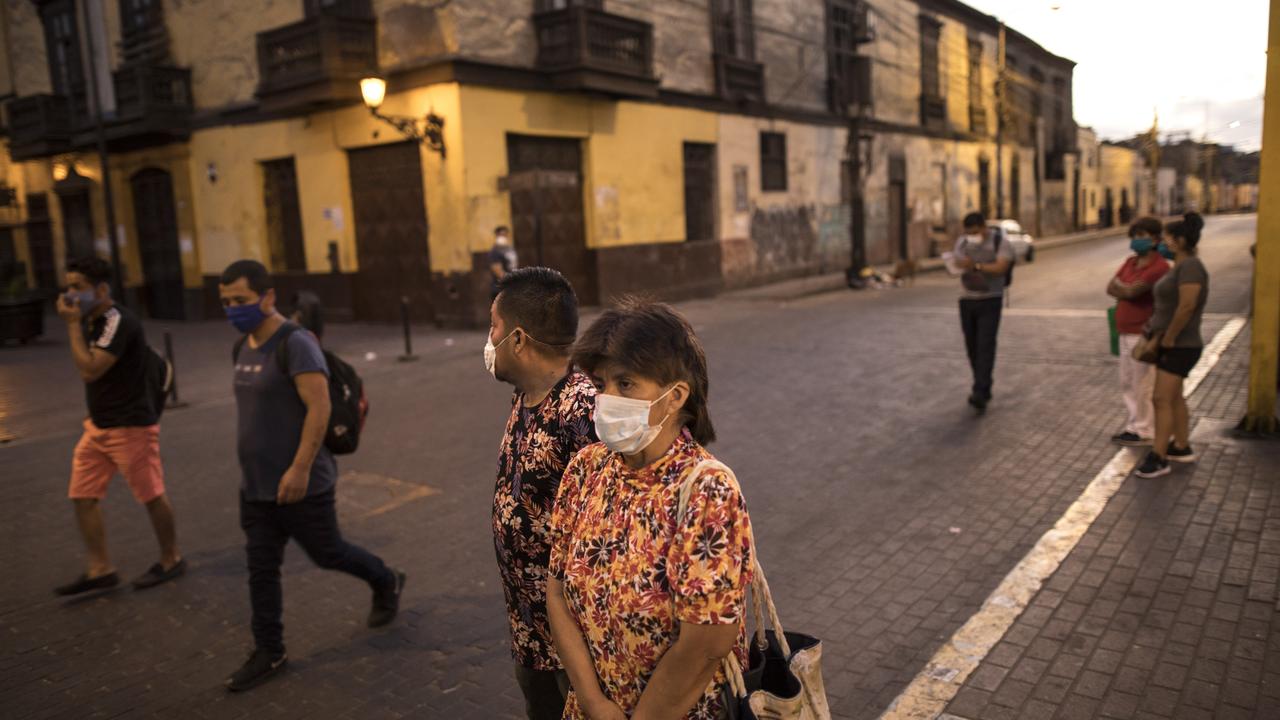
146	91
39	125
589	49
317	61
739	80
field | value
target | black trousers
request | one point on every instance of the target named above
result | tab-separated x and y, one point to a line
313	523
545	692
980	320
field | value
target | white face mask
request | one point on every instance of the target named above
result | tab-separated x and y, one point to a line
973	239
622	424
491	353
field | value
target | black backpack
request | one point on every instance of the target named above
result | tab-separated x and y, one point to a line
158	380
348	405
998	235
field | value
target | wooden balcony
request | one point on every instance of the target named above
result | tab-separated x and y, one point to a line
153	104
316	63
591	50
739	80
39	126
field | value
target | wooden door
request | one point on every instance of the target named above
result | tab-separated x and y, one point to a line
284	216
391	232
547	223
77	224
40	245
699	191
157	224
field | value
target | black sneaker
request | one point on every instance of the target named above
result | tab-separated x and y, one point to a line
1153	466
1181	455
84	584
386	603
259	668
1129	439
156	574
979	403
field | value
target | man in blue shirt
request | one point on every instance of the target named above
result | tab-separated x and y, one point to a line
288	476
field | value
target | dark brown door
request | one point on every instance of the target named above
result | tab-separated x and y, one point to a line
77	223
546	209
391	232
984	187
157	224
284	216
40	244
699	191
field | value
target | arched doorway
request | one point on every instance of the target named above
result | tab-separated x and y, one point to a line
157	225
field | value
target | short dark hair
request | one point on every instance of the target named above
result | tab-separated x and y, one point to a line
974	219
94	268
1187	229
1149	225
541	301
502	229
654	341
254	272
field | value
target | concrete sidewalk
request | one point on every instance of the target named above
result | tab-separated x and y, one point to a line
1168	605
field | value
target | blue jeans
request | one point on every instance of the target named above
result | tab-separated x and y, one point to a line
313	523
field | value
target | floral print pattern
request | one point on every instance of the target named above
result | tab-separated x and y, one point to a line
632	573
538	444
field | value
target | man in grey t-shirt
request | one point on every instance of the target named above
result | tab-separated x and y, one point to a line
287	475
985	255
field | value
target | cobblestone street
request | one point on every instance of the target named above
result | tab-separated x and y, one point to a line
885	512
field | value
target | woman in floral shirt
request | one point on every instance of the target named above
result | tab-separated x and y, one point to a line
644	605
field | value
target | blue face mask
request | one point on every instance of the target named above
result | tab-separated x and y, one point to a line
88	300
1164	251
246	318
1142	246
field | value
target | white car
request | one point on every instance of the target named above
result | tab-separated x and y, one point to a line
1023	244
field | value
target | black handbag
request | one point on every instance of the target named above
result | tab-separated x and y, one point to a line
783	680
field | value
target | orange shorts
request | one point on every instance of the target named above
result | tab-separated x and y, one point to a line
133	451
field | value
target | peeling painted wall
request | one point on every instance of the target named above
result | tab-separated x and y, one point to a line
779	234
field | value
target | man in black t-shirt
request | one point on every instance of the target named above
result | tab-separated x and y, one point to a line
122	431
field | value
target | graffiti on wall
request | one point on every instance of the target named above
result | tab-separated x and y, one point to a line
784	238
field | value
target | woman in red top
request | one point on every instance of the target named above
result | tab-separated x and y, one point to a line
1134	305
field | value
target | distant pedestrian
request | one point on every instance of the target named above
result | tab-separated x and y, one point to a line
986	256
502	257
1132	287
644	602
122	432
288	476
533	322
1180	298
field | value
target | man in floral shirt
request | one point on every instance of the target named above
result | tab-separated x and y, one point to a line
533	322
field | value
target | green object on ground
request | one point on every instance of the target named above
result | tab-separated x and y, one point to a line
1115	333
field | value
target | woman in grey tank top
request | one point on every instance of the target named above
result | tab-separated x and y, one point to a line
1180	298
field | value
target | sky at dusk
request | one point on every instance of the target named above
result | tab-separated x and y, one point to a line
1201	65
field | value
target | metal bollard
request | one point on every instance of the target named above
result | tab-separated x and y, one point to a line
173	401
408	341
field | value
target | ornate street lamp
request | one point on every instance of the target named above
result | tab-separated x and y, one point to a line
428	130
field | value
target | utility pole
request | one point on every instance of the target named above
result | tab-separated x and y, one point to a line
117	292
1265	344
1000	112
861	34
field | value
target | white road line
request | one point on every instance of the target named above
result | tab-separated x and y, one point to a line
928	694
